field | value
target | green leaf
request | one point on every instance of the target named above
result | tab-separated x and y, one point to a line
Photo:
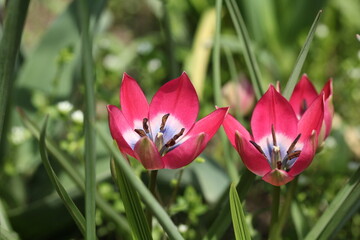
90	137
299	220
223	218
76	176
301	59
144	193
238	217
133	209
15	16
341	209
68	202
249	55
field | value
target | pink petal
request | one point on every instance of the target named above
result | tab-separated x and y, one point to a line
118	126
133	102
209	124
306	156
148	155
252	158
328	89
273	109
231	125
177	97
329	107
312	118
304	91
186	152
278	177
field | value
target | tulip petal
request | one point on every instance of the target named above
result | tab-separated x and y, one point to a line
312	118
210	123
121	131
133	102
186	152
329	107
231	125
252	158
147	153
303	95
306	156
273	109
178	98
278	177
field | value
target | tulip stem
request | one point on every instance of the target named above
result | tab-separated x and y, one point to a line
176	188
152	189
274	212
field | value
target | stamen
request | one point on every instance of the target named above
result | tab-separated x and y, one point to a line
163	121
258	148
172	141
292	146
293	155
176	136
273	135
278	164
145	125
140	132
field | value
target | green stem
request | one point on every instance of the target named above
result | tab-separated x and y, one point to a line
274	212
152	188
284	213
176	188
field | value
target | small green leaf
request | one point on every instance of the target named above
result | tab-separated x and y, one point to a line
341	209
68	202
133	209
301	59
238	217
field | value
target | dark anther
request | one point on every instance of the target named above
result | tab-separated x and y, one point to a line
258	148
179	134
170	143
163	121
293	155
292	146
278	163
303	107
145	125
140	132
273	135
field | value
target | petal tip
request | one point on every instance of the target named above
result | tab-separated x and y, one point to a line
278	177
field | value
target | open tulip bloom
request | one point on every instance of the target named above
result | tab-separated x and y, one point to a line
304	94
281	146
162	134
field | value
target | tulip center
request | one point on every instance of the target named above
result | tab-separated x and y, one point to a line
274	152
162	146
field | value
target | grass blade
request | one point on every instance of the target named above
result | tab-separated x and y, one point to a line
77	177
90	150
344	205
249	55
301	59
238	217
144	193
9	46
130	198
68	202
223	219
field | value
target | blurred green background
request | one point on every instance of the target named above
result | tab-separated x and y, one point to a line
154	41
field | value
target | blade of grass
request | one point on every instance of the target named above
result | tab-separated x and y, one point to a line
301	59
77	177
130	198
249	55
223	219
217	89
5	234
144	193
344	205
238	217
15	16
68	202
90	148
299	220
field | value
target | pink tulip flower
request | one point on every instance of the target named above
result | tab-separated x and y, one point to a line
304	95
162	134
281	146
